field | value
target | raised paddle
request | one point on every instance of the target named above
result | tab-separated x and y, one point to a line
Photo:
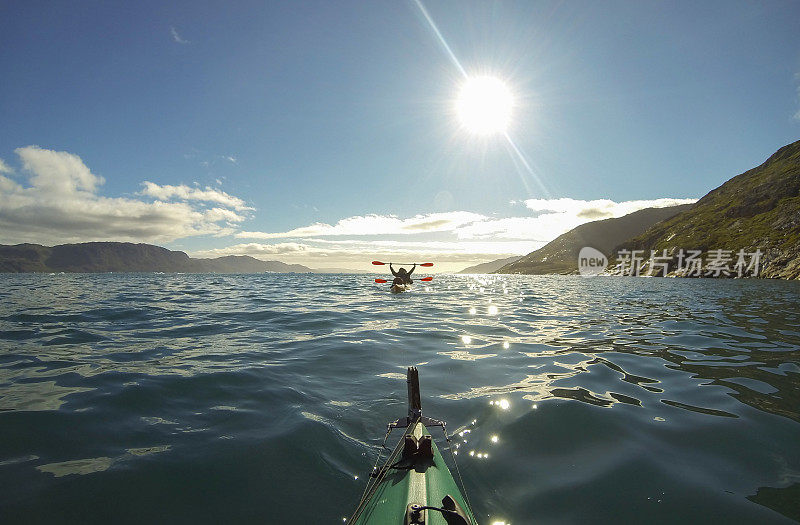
379	263
423	279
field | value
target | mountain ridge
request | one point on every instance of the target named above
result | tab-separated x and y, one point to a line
101	257
560	256
491	266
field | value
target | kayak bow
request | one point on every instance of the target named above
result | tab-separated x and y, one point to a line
414	485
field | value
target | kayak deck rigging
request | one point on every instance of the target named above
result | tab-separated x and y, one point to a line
414	485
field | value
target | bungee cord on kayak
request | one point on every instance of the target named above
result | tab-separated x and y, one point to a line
414	479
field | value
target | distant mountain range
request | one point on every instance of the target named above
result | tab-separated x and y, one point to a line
491	266
561	254
757	210
127	257
341	270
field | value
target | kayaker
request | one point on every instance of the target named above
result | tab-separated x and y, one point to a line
401	276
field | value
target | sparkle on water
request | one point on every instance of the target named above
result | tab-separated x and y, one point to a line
171	383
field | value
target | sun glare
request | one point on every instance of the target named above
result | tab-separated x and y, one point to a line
484	105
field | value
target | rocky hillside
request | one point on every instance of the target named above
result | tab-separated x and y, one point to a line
126	257
757	210
561	254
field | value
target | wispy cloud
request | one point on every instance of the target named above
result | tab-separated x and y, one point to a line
60	202
176	37
600	208
550	218
187	193
357	254
255	249
452	238
375	224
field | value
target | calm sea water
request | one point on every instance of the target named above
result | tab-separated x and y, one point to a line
133	398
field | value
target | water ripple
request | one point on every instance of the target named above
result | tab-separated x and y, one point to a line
643	399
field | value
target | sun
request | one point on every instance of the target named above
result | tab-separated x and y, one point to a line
484	105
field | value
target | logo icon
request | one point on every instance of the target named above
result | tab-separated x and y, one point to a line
591	262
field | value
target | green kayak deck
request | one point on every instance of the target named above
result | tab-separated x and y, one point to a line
414	474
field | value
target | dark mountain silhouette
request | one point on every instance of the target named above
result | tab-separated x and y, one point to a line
491	266
126	257
561	254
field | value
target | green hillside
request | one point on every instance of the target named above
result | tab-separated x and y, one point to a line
757	210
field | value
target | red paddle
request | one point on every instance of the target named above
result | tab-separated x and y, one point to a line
379	263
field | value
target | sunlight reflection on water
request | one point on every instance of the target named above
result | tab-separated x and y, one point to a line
561	386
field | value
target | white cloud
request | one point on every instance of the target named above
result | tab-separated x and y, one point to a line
556	216
357	254
222	214
422	246
176	37
459	238
255	249
542	228
376	225
553	217
60	203
5	168
57	172
600	208
184	192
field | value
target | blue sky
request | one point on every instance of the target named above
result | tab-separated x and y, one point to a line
324	132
